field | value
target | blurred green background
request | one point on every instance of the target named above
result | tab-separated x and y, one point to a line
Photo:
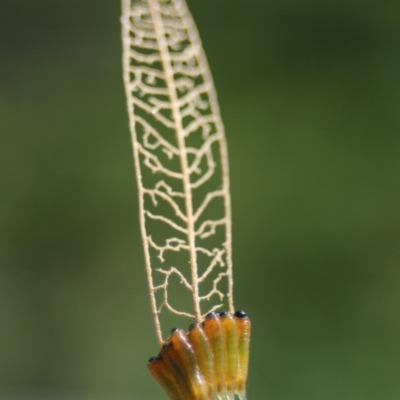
310	96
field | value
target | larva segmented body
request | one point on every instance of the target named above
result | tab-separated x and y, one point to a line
210	362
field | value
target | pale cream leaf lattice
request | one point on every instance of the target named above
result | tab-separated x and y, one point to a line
180	158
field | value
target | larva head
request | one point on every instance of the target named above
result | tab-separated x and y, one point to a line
212	326
211	315
194	325
178	338
165	347
243	322
240	314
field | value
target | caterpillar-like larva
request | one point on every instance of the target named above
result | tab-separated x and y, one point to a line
210	362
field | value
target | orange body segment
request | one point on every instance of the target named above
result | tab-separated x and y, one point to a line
202	348
229	329
243	334
165	378
185	351
213	329
174	363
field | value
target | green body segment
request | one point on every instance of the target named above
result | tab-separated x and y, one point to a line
243	325
165	378
189	362
229	329
202	348
213	329
174	363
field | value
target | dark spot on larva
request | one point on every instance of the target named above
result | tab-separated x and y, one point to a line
240	314
152	359
211	315
193	325
166	346
173	330
223	313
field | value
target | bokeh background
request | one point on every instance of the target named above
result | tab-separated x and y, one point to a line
310	96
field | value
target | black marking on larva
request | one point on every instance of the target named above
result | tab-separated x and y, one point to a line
174	330
166	346
223	313
211	315
152	359
193	325
240	314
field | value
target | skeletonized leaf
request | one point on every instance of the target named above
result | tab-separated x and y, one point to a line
180	159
